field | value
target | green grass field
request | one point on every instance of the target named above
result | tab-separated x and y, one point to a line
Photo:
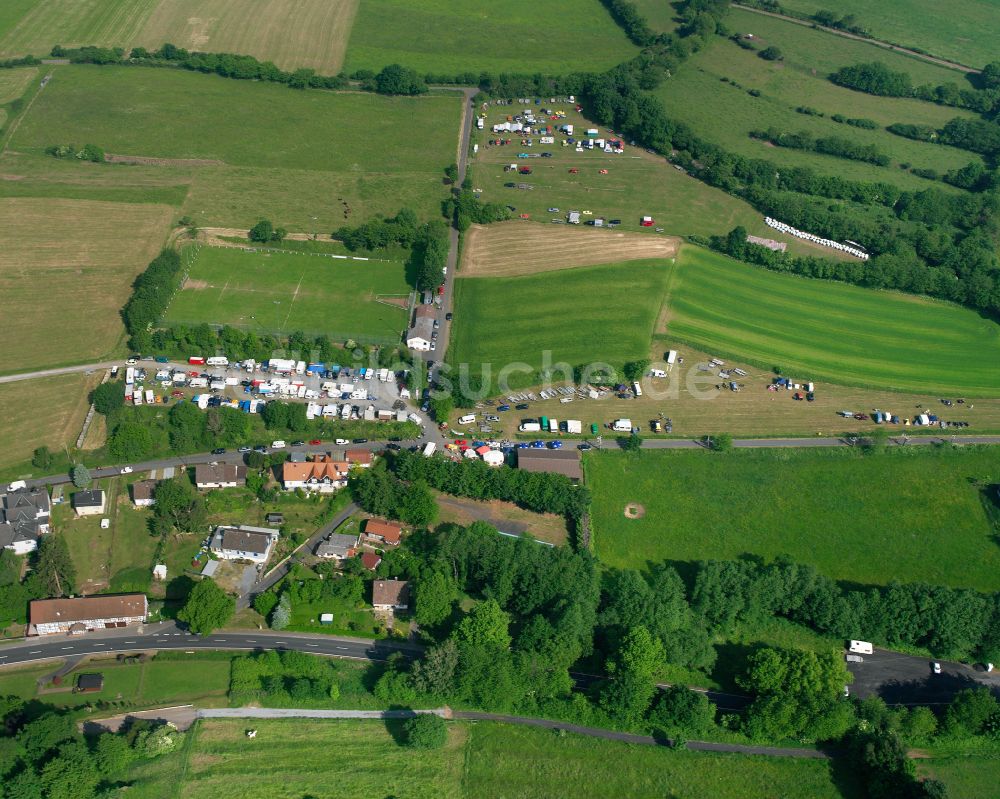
315	160
725	113
279	292
832	331
602	313
966	776
553	38
963	34
846	513
361	758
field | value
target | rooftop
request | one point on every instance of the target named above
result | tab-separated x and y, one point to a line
93	498
559	461
390	592
85	608
237	539
390	531
220	473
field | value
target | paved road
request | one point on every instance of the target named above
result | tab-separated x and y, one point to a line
877	42
64	370
298	713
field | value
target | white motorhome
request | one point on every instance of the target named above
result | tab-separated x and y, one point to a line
859	647
469	418
622	425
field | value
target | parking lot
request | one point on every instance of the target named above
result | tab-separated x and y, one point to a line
910	680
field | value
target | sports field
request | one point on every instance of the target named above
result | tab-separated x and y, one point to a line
576	316
637	184
277	292
315	160
291	33
361	758
907	515
832	331
508	249
553	38
65	271
725	113
964	34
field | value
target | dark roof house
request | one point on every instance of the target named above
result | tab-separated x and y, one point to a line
24	516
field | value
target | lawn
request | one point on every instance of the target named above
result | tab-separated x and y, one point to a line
81	256
304	758
637	184
964	34
507	762
553	38
832	331
45	411
725	113
280	292
966	777
573	316
316	159
908	515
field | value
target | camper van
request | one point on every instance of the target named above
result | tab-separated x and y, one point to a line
469	418
859	647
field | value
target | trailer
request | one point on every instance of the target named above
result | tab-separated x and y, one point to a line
429	449
217	360
671	357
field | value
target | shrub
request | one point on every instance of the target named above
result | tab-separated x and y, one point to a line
426	731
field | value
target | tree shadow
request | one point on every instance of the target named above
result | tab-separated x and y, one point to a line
397	727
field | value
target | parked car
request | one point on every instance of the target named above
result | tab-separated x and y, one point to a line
522	407
503	407
584	446
361	441
341	442
936	666
125	470
315	442
219	451
260	448
555	445
447	316
393	446
278	444
243	449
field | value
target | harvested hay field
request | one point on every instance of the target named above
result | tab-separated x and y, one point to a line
49	411
291	33
511	249
81	258
105	23
14	82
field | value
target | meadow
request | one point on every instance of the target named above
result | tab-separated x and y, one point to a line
637	183
846	513
317	159
966	776
518	36
294	33
281	292
44	411
725	113
964	34
482	759
578	316
81	257
831	331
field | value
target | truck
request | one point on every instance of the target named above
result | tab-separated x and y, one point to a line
622	425
218	360
429	448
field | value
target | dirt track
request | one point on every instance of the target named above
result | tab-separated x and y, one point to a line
142	160
515	248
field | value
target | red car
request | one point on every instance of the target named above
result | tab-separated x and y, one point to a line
441	289
461	442
176	393
315	442
194	374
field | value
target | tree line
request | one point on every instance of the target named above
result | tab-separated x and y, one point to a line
828	145
151	293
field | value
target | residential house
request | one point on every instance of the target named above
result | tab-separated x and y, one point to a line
420	335
337	546
362	458
142	493
222	475
323	474
390	594
83	614
370	560
243	543
89	503
382	531
24	517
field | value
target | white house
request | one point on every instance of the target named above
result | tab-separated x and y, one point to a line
89	503
244	543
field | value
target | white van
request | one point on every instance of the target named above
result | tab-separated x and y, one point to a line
469	418
860	647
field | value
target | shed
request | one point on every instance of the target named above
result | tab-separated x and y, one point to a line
210	568
326	618
90	683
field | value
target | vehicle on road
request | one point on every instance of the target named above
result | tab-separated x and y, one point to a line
260	448
125	470
243	449
298	443
219	451
278	444
341	442
361	441
584	446
392	446
936	666
447	316
315	442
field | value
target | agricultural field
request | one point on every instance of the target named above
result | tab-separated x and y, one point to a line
505	516
552	38
723	112
919	509
483	759
574	316
833	331
281	292
637	183
81	257
14	82
964	34
46	411
512	249
32	27
316	160
292	34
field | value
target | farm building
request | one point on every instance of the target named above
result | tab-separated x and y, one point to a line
420	336
337	546
322	474
390	594
24	516
223	475
383	531
142	493
86	613
89	503
243	543
558	461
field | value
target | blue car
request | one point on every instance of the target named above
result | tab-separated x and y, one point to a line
522	445
538	445
555	445
503	408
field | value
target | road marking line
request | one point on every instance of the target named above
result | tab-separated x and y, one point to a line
34	651
312	644
130	642
67	647
98	644
342	647
251	641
